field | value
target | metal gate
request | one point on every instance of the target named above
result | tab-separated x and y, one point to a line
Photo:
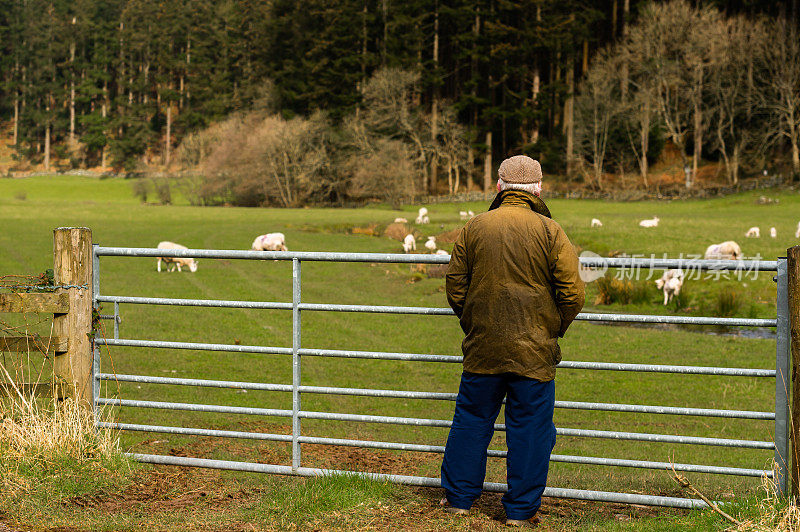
780	445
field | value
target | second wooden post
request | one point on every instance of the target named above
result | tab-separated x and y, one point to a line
72	267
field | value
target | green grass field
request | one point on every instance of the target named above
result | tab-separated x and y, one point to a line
31	208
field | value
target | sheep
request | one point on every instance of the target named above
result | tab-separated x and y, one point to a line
773	232
671	283
176	261
596	223
649	223
441	252
797	233
431	244
409	243
400	221
753	232
270	242
728	250
422	216
463	215
471	214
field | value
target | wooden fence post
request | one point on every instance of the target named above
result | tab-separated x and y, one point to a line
793	267
72	265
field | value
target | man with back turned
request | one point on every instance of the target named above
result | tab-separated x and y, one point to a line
513	281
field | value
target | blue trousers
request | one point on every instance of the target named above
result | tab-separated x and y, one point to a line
530	437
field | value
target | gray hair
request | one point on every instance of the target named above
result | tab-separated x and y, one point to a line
533	188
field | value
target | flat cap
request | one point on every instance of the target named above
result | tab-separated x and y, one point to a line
520	169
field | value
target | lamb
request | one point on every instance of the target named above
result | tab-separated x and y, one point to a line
596	223
422	216
797	233
671	283
471	214
649	223
463	215
753	232
728	250
431	244
270	242
409	243
773	232
441	252
176	261
400	221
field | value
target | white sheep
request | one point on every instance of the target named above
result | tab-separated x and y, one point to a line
175	261
471	214
409	243
797	233
773	232
463	215
431	244
596	223
649	223
728	250
422	216
753	232
441	252
400	221
270	242
671	283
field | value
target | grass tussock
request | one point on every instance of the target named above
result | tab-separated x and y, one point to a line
612	290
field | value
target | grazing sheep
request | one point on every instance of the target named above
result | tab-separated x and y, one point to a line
649	223
753	232
728	250
409	243
463	215
270	242
422	216
797	233
671	283
431	244
441	252
471	214
400	221
596	223
773	232
175	261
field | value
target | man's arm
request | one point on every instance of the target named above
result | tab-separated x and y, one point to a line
458	275
568	285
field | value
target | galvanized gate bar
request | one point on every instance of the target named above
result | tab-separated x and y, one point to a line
213	303
589	460
328	307
564	493
233	348
425	422
325	256
441	396
194	407
662	368
382	355
295	364
782	366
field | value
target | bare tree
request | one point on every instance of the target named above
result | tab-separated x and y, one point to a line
596	107
782	94
738	119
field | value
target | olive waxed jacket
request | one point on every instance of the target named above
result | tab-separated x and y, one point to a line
513	282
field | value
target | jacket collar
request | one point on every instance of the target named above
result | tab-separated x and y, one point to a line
520	198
